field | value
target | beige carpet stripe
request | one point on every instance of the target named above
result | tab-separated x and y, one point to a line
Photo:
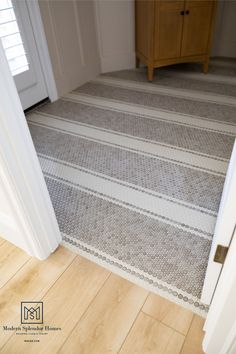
163	90
160	209
169	153
153	113
222	79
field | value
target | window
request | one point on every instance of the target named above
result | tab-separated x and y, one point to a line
11	39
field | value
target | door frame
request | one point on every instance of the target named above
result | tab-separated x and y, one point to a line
42	47
224	229
220	325
28	219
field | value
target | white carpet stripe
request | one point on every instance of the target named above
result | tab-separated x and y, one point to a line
178	216
153	113
179	156
131	185
163	90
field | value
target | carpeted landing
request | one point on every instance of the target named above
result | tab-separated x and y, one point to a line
135	171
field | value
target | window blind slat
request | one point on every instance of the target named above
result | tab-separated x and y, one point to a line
15	52
20	70
5	4
11	39
7	16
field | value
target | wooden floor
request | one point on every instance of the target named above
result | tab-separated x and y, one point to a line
98	312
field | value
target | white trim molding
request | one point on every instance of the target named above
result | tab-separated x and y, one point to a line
220	325
28	219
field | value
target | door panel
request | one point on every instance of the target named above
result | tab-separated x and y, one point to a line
21	51
224	229
168	29
196	29
144	15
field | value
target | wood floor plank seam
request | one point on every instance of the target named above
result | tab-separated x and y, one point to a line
132	325
173	329
2	242
81	317
186	334
2	287
193	341
183	343
143	338
76	256
181	335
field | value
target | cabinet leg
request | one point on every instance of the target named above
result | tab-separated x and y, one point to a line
206	66
150	71
137	62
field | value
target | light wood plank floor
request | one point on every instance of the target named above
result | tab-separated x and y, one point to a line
98	312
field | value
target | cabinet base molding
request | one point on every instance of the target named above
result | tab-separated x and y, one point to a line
204	59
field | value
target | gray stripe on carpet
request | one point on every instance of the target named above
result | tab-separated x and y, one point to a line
174	104
186	184
197	140
219	68
164	78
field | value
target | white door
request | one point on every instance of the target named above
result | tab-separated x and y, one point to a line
21	51
223	231
27	218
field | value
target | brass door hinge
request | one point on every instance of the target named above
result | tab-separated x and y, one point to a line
221	253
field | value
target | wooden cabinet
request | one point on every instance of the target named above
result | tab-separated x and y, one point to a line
168	29
170	32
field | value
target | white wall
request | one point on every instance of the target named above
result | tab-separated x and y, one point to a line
224	42
115	34
71	35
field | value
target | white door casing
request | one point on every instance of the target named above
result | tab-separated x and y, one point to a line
27	218
224	229
220	325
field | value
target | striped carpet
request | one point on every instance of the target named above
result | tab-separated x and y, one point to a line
136	170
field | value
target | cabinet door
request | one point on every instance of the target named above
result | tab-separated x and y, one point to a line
168	29
197	27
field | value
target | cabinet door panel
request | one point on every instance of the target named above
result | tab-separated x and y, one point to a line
197	26
168	29
144	20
